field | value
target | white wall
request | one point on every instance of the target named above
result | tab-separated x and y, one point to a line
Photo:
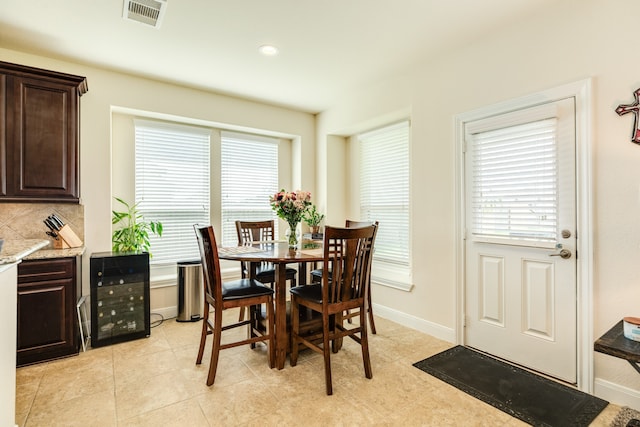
575	39
103	175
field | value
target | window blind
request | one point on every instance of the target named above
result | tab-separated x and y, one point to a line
515	188
384	189
172	185
249	176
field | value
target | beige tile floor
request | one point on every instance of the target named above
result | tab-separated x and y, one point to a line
155	382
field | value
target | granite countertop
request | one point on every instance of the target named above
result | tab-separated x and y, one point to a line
56	253
15	250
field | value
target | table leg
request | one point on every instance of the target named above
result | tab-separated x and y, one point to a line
302	273
281	314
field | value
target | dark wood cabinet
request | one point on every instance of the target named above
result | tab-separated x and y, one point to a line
47	318
39	145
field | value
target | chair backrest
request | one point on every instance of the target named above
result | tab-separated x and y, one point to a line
210	263
356	224
254	231
347	256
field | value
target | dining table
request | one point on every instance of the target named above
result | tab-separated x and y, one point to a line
279	254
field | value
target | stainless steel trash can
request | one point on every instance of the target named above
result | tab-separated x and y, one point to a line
190	291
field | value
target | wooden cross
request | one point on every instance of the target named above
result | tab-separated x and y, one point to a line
635	109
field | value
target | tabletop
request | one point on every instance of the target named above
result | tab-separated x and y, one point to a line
275	251
614	343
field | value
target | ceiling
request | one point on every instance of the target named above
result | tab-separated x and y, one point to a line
327	48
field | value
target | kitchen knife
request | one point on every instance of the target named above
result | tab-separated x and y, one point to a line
57	220
50	225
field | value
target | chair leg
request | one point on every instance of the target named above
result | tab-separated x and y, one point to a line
215	351
254	321
295	328
271	330
370	313
326	350
364	343
203	335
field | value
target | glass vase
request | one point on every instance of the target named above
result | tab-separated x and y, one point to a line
293	235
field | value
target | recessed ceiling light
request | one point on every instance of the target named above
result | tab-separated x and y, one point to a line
268	50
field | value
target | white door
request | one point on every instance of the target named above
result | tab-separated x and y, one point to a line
520	238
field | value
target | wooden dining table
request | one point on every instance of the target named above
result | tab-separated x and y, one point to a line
280	255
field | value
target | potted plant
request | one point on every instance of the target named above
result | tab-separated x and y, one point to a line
313	218
133	234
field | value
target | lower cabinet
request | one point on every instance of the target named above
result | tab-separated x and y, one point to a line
47	318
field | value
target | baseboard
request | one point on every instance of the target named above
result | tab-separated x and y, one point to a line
617	394
404	319
165	312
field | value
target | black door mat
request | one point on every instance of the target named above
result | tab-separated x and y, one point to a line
531	398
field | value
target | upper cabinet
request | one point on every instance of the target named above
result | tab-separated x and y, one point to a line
40	132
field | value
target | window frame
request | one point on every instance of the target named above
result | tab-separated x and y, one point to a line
185	247
255	166
389	272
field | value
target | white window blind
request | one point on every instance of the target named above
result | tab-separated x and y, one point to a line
515	188
249	177
384	189
172	185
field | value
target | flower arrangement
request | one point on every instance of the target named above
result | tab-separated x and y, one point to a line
291	207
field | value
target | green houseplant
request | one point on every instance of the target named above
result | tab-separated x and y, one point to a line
133	234
313	218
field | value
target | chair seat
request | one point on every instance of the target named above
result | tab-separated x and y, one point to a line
244	288
271	272
317	273
309	292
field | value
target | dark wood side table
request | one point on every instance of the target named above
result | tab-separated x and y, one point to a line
615	344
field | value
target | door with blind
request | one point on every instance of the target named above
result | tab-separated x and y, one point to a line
520	246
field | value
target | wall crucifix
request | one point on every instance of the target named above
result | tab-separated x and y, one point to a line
635	109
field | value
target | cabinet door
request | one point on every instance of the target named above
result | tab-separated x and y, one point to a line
3	135
44	149
47	319
43	319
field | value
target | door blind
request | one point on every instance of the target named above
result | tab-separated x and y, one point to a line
514	179
384	189
172	186
249	177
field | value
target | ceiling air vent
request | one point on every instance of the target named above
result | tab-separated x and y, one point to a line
150	12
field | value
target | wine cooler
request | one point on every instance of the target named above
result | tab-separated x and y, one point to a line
119	297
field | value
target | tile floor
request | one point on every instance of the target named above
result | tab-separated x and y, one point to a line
155	382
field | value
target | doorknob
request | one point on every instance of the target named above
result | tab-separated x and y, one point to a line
564	254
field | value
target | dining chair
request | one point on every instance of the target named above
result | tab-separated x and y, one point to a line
220	296
260	231
316	275
347	256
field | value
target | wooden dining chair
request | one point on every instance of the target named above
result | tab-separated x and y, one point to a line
316	275
347	256
220	296
260	231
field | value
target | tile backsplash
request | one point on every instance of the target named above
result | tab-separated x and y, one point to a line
24	220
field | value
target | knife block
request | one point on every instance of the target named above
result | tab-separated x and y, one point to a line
69	237
60	244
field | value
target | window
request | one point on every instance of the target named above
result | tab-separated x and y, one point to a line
515	188
172	185
384	190
249	177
